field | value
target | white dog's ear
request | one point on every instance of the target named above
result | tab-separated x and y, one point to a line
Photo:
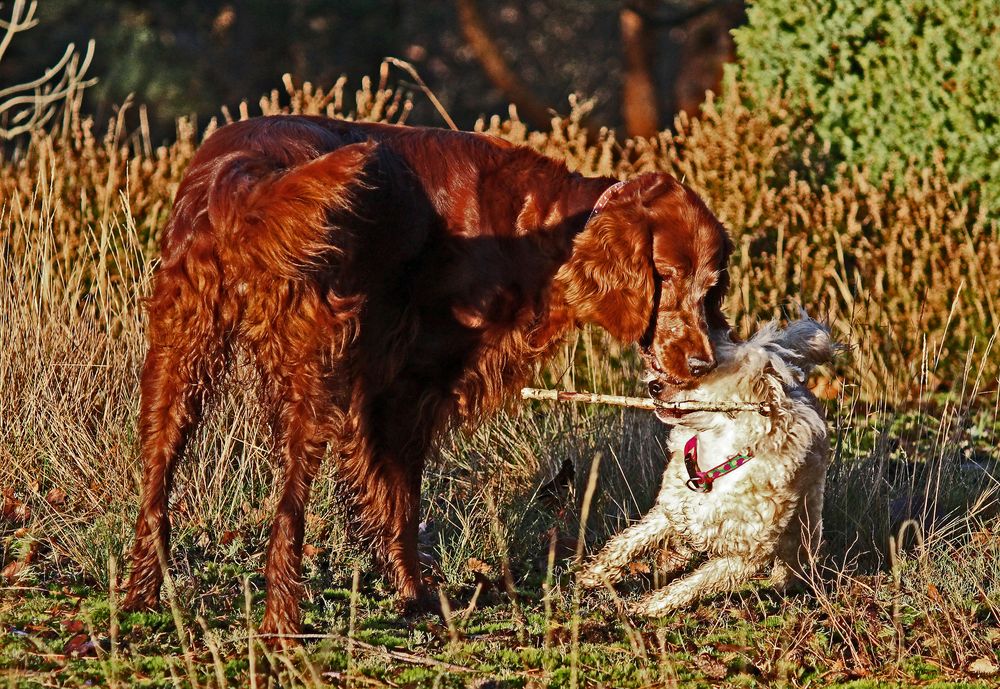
769	385
808	342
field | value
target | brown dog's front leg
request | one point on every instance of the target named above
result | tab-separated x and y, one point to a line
387	496
382	470
401	528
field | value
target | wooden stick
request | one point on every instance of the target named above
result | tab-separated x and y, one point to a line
646	403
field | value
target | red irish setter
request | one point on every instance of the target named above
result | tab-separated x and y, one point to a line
388	281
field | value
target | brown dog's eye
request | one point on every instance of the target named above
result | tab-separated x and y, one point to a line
655	388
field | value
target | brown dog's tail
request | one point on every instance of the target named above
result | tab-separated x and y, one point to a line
276	221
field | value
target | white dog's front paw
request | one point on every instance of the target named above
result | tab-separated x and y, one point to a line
595	576
652	605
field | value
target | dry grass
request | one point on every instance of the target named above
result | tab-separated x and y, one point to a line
912	581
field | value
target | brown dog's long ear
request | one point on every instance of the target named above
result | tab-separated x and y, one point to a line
608	279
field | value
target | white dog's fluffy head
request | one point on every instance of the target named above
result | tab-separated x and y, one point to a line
770	367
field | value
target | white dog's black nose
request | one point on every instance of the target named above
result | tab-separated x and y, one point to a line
699	367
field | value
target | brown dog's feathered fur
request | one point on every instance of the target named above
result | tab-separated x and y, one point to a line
387	281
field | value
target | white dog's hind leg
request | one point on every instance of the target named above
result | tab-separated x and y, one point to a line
610	564
718	575
675	557
786	575
799	544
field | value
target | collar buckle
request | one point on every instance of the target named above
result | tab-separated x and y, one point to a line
701	481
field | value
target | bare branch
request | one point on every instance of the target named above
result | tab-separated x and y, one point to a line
32	104
412	71
499	72
18	23
639	103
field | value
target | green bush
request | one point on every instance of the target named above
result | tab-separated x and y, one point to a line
887	81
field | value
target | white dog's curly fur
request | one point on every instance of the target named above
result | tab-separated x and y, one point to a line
767	511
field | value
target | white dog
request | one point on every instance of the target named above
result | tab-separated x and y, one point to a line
745	489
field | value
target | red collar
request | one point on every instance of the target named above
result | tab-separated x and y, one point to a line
701	481
605	197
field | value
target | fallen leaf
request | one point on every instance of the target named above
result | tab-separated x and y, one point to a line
309	550
229	536
712	668
12	572
638	568
983	666
731	648
477	566
12	509
857	672
80	645
56	497
73	626
983	537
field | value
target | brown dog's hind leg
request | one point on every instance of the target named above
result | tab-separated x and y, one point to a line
297	372
187	354
302	431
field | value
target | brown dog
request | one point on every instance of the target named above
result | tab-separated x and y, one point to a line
386	281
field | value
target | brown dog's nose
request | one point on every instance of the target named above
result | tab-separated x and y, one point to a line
699	367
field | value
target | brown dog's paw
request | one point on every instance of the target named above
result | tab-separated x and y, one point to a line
140	601
279	634
425	602
281	625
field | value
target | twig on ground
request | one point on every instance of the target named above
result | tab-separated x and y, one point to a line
403	656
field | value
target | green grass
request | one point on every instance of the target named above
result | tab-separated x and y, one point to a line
60	635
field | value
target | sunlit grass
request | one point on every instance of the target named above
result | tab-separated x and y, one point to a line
909	585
